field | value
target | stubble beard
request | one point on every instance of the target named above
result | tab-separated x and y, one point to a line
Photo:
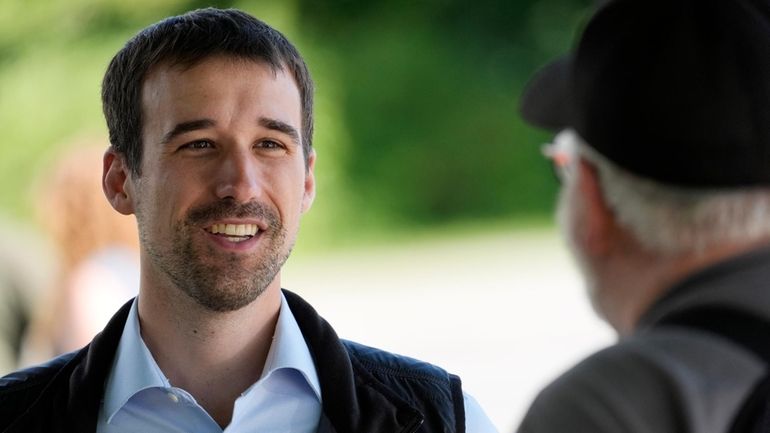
221	282
565	214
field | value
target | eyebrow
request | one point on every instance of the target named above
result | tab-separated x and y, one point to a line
280	126
194	125
184	127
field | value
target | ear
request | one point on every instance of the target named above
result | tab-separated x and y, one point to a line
599	225
309	195
116	182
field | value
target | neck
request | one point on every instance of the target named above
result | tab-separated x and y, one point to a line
215	356
639	280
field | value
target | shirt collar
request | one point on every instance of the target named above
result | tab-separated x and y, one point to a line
289	350
134	369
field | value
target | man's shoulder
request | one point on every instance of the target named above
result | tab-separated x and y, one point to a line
602	394
34	376
367	361
404	375
647	383
18	390
381	362
430	389
381	383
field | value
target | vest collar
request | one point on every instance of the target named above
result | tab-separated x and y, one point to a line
353	400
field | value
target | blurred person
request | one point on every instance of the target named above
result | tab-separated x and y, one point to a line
664	150
26	270
210	119
97	250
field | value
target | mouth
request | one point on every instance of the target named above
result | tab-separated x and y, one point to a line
234	232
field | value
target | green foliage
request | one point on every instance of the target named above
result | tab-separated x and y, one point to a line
429	97
416	101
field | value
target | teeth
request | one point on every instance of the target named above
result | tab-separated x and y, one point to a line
234	229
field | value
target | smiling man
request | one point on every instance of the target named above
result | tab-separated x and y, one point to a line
210	119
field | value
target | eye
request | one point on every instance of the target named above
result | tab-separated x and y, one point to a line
269	144
198	144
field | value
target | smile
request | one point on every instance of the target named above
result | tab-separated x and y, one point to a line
234	232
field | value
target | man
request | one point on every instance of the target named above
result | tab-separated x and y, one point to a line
664	147
210	119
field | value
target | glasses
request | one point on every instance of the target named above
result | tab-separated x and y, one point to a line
561	158
562	152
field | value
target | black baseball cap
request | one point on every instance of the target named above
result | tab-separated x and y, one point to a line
676	91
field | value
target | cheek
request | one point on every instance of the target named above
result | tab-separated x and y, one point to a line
291	209
572	219
565	211
160	200
287	191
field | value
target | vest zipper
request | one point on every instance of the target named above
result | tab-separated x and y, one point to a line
414	425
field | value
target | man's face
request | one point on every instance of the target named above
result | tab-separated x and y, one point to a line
571	211
223	181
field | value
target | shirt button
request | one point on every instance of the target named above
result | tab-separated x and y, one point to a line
173	397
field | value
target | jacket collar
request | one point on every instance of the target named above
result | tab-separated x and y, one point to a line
354	401
739	282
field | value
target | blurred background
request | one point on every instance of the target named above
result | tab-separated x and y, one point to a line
432	232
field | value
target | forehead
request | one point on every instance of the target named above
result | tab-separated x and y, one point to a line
190	88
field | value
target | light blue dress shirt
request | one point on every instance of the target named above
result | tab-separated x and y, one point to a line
139	398
286	399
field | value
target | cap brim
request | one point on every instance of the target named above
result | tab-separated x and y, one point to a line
545	102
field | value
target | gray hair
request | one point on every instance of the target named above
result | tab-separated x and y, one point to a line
670	219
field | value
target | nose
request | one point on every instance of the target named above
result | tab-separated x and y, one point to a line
237	177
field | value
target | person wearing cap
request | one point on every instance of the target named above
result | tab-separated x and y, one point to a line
663	120
210	119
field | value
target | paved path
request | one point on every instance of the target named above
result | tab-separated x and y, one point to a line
506	311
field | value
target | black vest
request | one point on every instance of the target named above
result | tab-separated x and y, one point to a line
365	390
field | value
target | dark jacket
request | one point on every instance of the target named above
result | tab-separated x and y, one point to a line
365	389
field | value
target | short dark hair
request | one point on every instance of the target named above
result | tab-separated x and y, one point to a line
187	40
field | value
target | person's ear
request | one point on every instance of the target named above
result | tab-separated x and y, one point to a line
309	195
116	182
599	224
